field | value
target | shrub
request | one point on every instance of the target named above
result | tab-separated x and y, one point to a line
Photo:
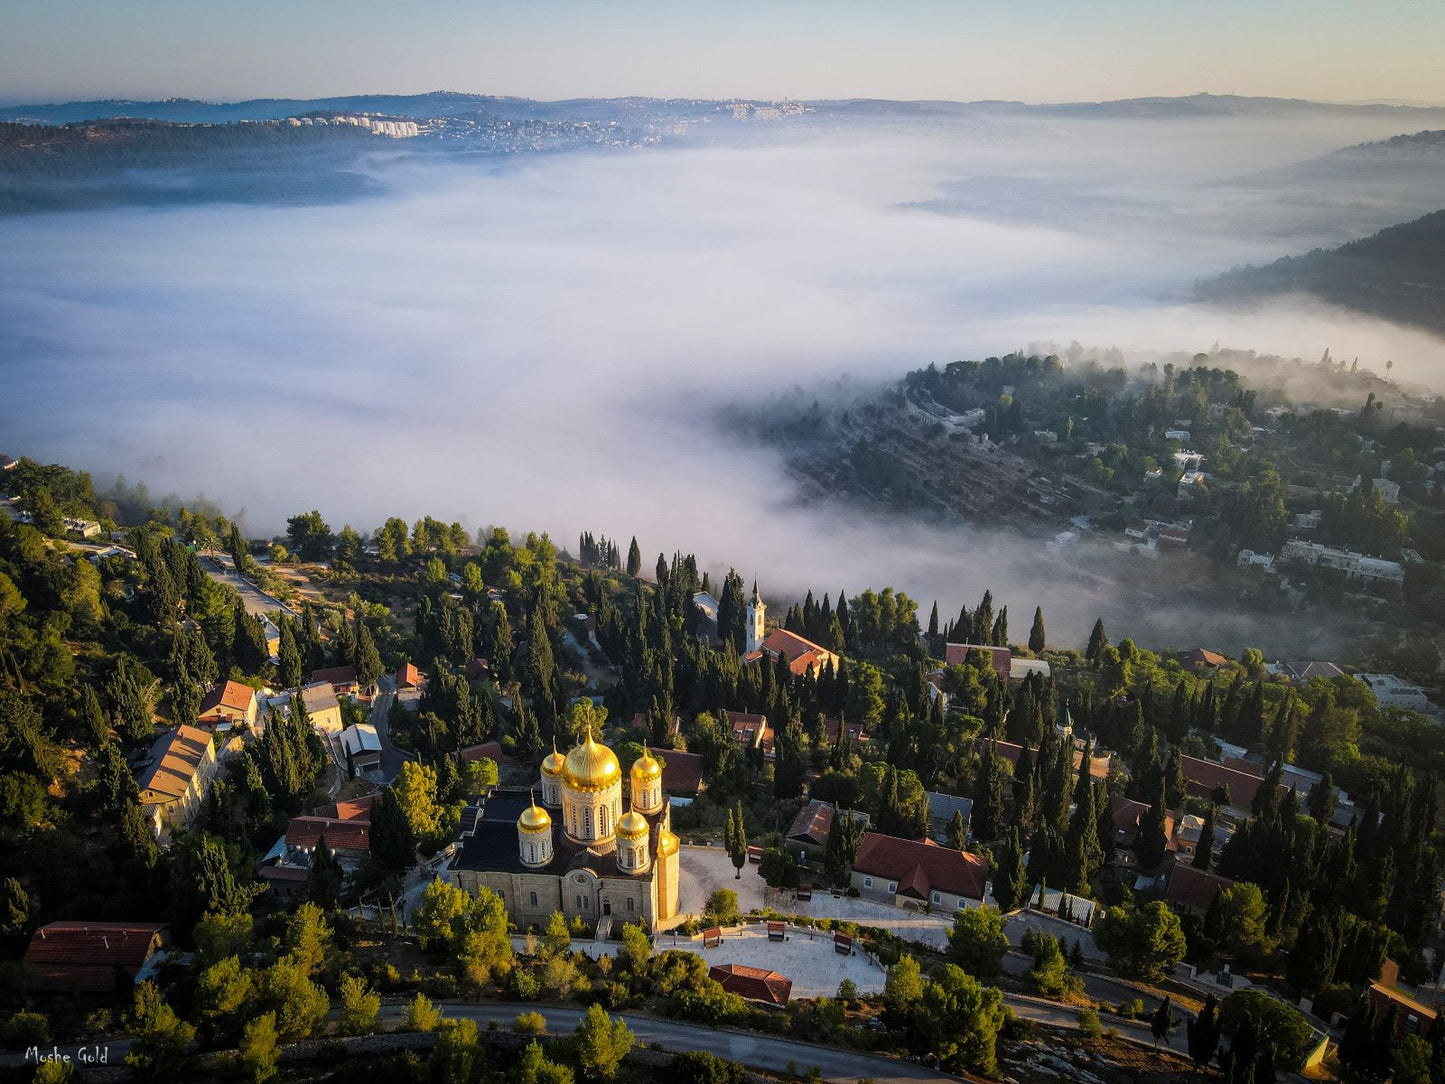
530	1023
1132	1010
1089	1025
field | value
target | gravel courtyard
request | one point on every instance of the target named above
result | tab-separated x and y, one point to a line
704	869
807	957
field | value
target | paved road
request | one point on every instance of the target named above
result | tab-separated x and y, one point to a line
750	1048
391	756
255	600
1103	990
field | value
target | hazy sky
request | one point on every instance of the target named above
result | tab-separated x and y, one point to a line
1044	50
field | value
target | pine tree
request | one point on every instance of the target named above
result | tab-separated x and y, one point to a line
1036	634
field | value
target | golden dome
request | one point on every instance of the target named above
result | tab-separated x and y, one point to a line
591	766
553	763
646	767
633	825
666	843
534	820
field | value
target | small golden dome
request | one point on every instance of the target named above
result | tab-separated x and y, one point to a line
552	763
646	767
534	820
591	766
666	843
633	825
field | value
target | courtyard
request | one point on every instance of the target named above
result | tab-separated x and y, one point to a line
704	869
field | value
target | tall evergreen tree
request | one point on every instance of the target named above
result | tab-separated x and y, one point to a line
368	659
1036	634
1098	640
634	558
1204	852
1010	879
1152	842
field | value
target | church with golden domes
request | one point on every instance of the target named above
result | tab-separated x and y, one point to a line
577	852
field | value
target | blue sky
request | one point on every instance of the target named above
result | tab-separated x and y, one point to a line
1044	50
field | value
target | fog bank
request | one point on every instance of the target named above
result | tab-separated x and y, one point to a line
539	344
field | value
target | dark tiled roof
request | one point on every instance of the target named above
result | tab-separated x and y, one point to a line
1193	887
812	823
349	835
916	863
89	956
957	655
489	750
753	983
335	675
681	772
1202	776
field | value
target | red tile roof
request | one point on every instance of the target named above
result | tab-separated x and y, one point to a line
491	750
1126	813
356	809
812	823
230	696
1098	766
1202	656
681	772
922	866
1202	776
746	729
753	983
803	655
855	731
89	956
1194	888
351	835
409	677
957	655
336	675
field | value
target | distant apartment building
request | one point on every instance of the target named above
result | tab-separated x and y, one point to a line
1355	566
1393	692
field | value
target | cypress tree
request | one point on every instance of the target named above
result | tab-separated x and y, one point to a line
1204	853
1152	842
1098	640
1010	879
634	558
1036	634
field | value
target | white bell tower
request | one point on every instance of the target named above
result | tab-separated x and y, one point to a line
757	612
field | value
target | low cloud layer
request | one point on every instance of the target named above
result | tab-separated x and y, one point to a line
539	344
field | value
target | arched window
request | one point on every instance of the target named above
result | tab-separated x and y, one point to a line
534	899
587	821
629	903
641	855
531	852
602	820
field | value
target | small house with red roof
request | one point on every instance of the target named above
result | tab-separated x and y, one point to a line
753	983
1000	658
228	704
341	678
93	957
911	873
1192	890
812	824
